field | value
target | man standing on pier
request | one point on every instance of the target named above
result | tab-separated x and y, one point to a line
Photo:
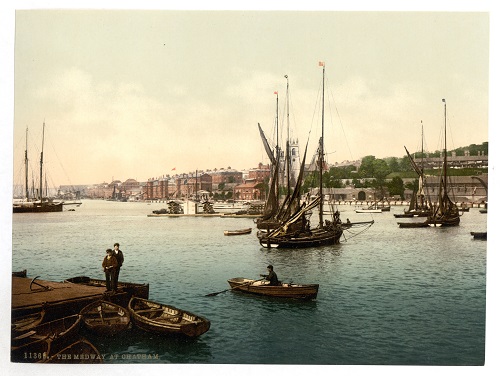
119	258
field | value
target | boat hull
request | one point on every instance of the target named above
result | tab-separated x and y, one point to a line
413	214
479	235
412	224
79	352
316	238
285	290
165	319
52	335
238	232
26	323
38	208
105	318
140	290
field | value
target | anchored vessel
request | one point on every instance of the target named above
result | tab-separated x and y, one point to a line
165	319
284	290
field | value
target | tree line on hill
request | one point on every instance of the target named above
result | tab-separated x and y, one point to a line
387	174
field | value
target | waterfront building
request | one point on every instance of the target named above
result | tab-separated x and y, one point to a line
189	184
226	178
250	190
260	174
160	188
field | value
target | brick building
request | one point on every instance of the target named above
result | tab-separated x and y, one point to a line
225	176
248	191
188	184
161	188
260	174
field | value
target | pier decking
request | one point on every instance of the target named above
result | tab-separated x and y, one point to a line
55	297
59	299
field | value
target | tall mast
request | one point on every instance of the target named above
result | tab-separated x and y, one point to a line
422	148
196	186
422	168
445	153
41	163
277	149
287	158
26	166
321	149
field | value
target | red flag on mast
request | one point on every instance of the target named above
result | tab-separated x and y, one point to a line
321	63
276	92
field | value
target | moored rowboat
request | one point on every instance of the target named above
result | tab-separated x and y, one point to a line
479	235
79	352
368	210
105	318
26	323
238	232
52	335
413	224
284	290
165	319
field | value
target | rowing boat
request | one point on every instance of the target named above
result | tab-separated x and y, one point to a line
238	232
479	235
79	352
284	290
165	319
413	224
53	336
27	322
105	318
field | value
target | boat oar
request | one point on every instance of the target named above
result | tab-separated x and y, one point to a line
235	287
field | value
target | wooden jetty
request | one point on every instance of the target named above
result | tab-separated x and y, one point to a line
58	299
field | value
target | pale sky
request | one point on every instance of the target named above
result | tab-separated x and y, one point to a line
134	94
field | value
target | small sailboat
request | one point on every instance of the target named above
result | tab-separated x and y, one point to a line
32	204
445	212
419	204
295	231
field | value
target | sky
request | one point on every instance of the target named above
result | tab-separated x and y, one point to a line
136	93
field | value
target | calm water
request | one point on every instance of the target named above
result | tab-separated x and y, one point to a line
387	296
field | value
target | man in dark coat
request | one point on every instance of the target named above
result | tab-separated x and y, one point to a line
119	259
109	265
271	277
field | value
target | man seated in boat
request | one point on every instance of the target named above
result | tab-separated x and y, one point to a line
272	277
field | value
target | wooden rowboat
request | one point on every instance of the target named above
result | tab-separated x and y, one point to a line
165	319
105	318
238	232
284	290
26	323
413	224
20	273
368	210
479	235
79	352
52	335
